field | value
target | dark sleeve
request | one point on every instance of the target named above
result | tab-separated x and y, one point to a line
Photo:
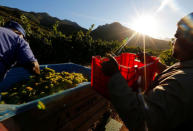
168	104
25	54
126	103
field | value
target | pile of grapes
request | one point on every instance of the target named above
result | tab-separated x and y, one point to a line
49	82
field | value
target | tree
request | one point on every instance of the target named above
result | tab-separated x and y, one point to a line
26	24
166	56
2	21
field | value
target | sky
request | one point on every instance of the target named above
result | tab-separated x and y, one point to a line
157	18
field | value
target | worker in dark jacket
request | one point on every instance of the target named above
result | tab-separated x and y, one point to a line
15	50
169	105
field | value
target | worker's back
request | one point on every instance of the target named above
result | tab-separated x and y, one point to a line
13	49
8	45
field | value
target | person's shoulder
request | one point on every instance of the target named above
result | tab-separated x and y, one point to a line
8	32
10	36
5	29
184	77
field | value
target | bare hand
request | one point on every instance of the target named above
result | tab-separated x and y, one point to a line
32	67
36	68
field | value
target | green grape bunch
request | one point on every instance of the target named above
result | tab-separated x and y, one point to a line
48	82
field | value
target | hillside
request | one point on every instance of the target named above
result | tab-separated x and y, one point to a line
42	20
115	31
58	41
108	32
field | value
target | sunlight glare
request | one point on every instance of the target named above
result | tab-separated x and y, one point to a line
145	24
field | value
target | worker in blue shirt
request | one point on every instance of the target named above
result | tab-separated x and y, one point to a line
15	50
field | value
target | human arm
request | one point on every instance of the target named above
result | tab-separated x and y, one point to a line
119	96
25	58
160	66
32	67
169	103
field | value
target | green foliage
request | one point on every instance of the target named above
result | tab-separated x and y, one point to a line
2	21
26	24
166	56
55	26
79	47
59	41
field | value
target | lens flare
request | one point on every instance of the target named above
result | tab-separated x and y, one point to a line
145	24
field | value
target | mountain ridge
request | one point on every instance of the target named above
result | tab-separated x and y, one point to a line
116	31
108	32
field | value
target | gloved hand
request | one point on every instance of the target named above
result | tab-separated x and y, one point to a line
160	67
110	67
142	57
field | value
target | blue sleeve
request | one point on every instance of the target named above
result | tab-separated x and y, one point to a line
25	53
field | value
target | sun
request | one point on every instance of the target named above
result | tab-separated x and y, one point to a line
145	24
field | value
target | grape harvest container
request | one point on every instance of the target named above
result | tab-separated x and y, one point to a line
131	69
18	74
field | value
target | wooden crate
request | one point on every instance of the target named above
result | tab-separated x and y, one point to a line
76	111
